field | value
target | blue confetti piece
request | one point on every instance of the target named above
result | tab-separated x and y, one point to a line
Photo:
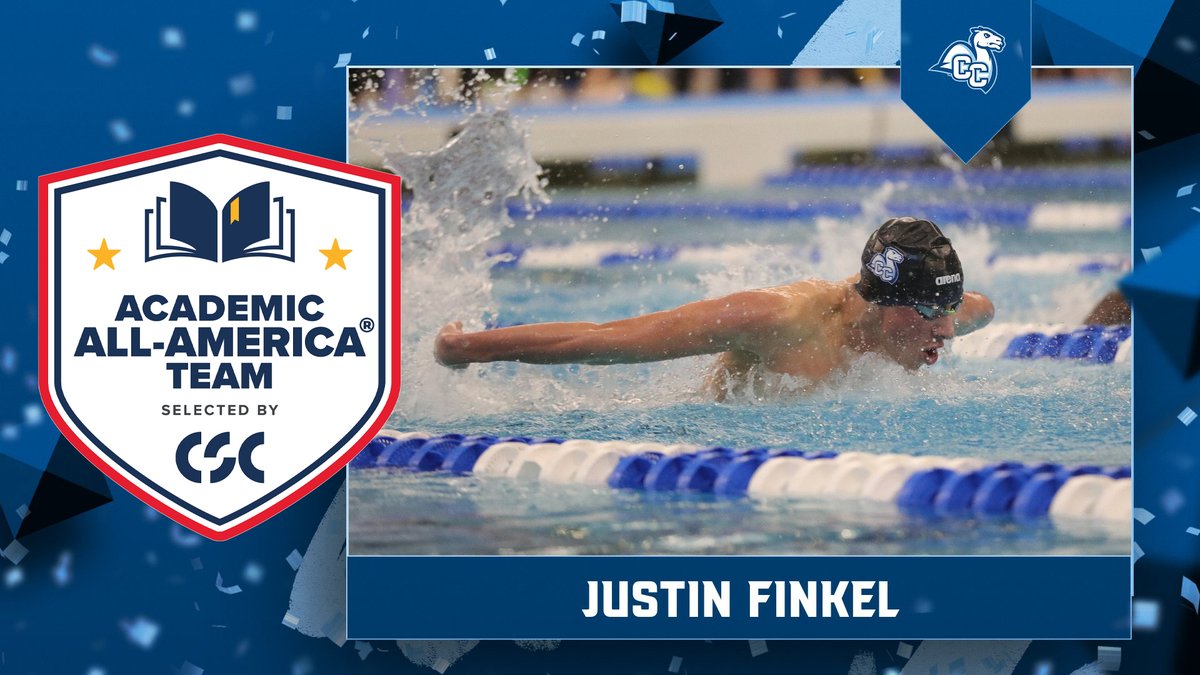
1173	500
1191	593
662	6
1187	416
14	577
363	648
1043	668
633	11
184	538
1151	253
503	2
62	570
3	257
489	54
172	38
185	108
676	662
1109	658
96	670
788	15
598	35
197	564
283	112
190	669
1146	135
15	552
141	631
366	32
294	559
779	31
1145	614
904	650
1185	190
246	21
22	185
1193	531
1142	515
253	573
102	56
5	237
33	414
576	39
1184	44
23	511
241	85
343	60
120	131
757	648
227	590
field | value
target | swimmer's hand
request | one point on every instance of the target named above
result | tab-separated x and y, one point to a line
447	347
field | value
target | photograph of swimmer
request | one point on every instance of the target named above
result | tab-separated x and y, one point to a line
748	311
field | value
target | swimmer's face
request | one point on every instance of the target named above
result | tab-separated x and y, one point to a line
914	341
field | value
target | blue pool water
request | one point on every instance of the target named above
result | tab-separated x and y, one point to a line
1028	411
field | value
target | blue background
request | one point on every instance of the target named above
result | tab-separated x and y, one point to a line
85	82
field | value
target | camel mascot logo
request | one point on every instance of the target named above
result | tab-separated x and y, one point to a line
973	60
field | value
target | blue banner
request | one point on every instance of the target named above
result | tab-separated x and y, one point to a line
965	67
670	597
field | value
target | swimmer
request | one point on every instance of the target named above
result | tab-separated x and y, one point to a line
906	301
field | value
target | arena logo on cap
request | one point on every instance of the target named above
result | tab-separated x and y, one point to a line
220	322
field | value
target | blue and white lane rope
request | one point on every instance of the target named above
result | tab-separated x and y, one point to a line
598	255
1086	344
949	487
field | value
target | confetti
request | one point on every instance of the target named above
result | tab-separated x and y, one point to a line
1193	531
1187	416
597	35
283	112
291	620
1145	614
676	661
576	39
185	108
1142	515
904	650
190	669
662	6
183	538
227	590
120	131
1185	190
102	56
1190	593
1151	253
294	559
22	510
633	11
22	185
1109	658
779	31
363	648
1172	500
241	85
788	15
62	571
441	665
171	37
343	60
13	577
757	648
366	32
1146	135
33	414
1043	668
15	552
1137	552
489	54
503	2
141	631
253	572
1185	44
246	21
197	564
96	670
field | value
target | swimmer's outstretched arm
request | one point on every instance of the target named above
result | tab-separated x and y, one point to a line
976	312
704	327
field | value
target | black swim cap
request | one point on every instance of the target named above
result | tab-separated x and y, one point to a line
909	262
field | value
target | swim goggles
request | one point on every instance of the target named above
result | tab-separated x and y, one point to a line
931	312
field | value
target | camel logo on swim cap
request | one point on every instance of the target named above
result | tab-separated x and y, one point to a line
948	279
972	61
886	264
220	322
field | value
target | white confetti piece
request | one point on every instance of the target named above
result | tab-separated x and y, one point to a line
1145	614
788	15
1187	416
489	54
343	60
283	112
1137	552
633	11
141	631
1151	253
1142	515
597	35
15	552
294	559
22	185
577	39
1190	593
1185	190
1185	44
366	32
779	31
1193	531
227	590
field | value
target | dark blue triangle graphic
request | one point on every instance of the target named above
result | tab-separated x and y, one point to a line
1165	294
664	30
69	486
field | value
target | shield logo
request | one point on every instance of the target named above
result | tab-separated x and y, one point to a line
220	322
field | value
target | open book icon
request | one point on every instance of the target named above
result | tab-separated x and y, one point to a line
251	224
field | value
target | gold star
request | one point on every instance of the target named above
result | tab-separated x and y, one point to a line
104	255
335	255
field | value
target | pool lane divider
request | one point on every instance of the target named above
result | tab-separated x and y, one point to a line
1083	344
962	487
